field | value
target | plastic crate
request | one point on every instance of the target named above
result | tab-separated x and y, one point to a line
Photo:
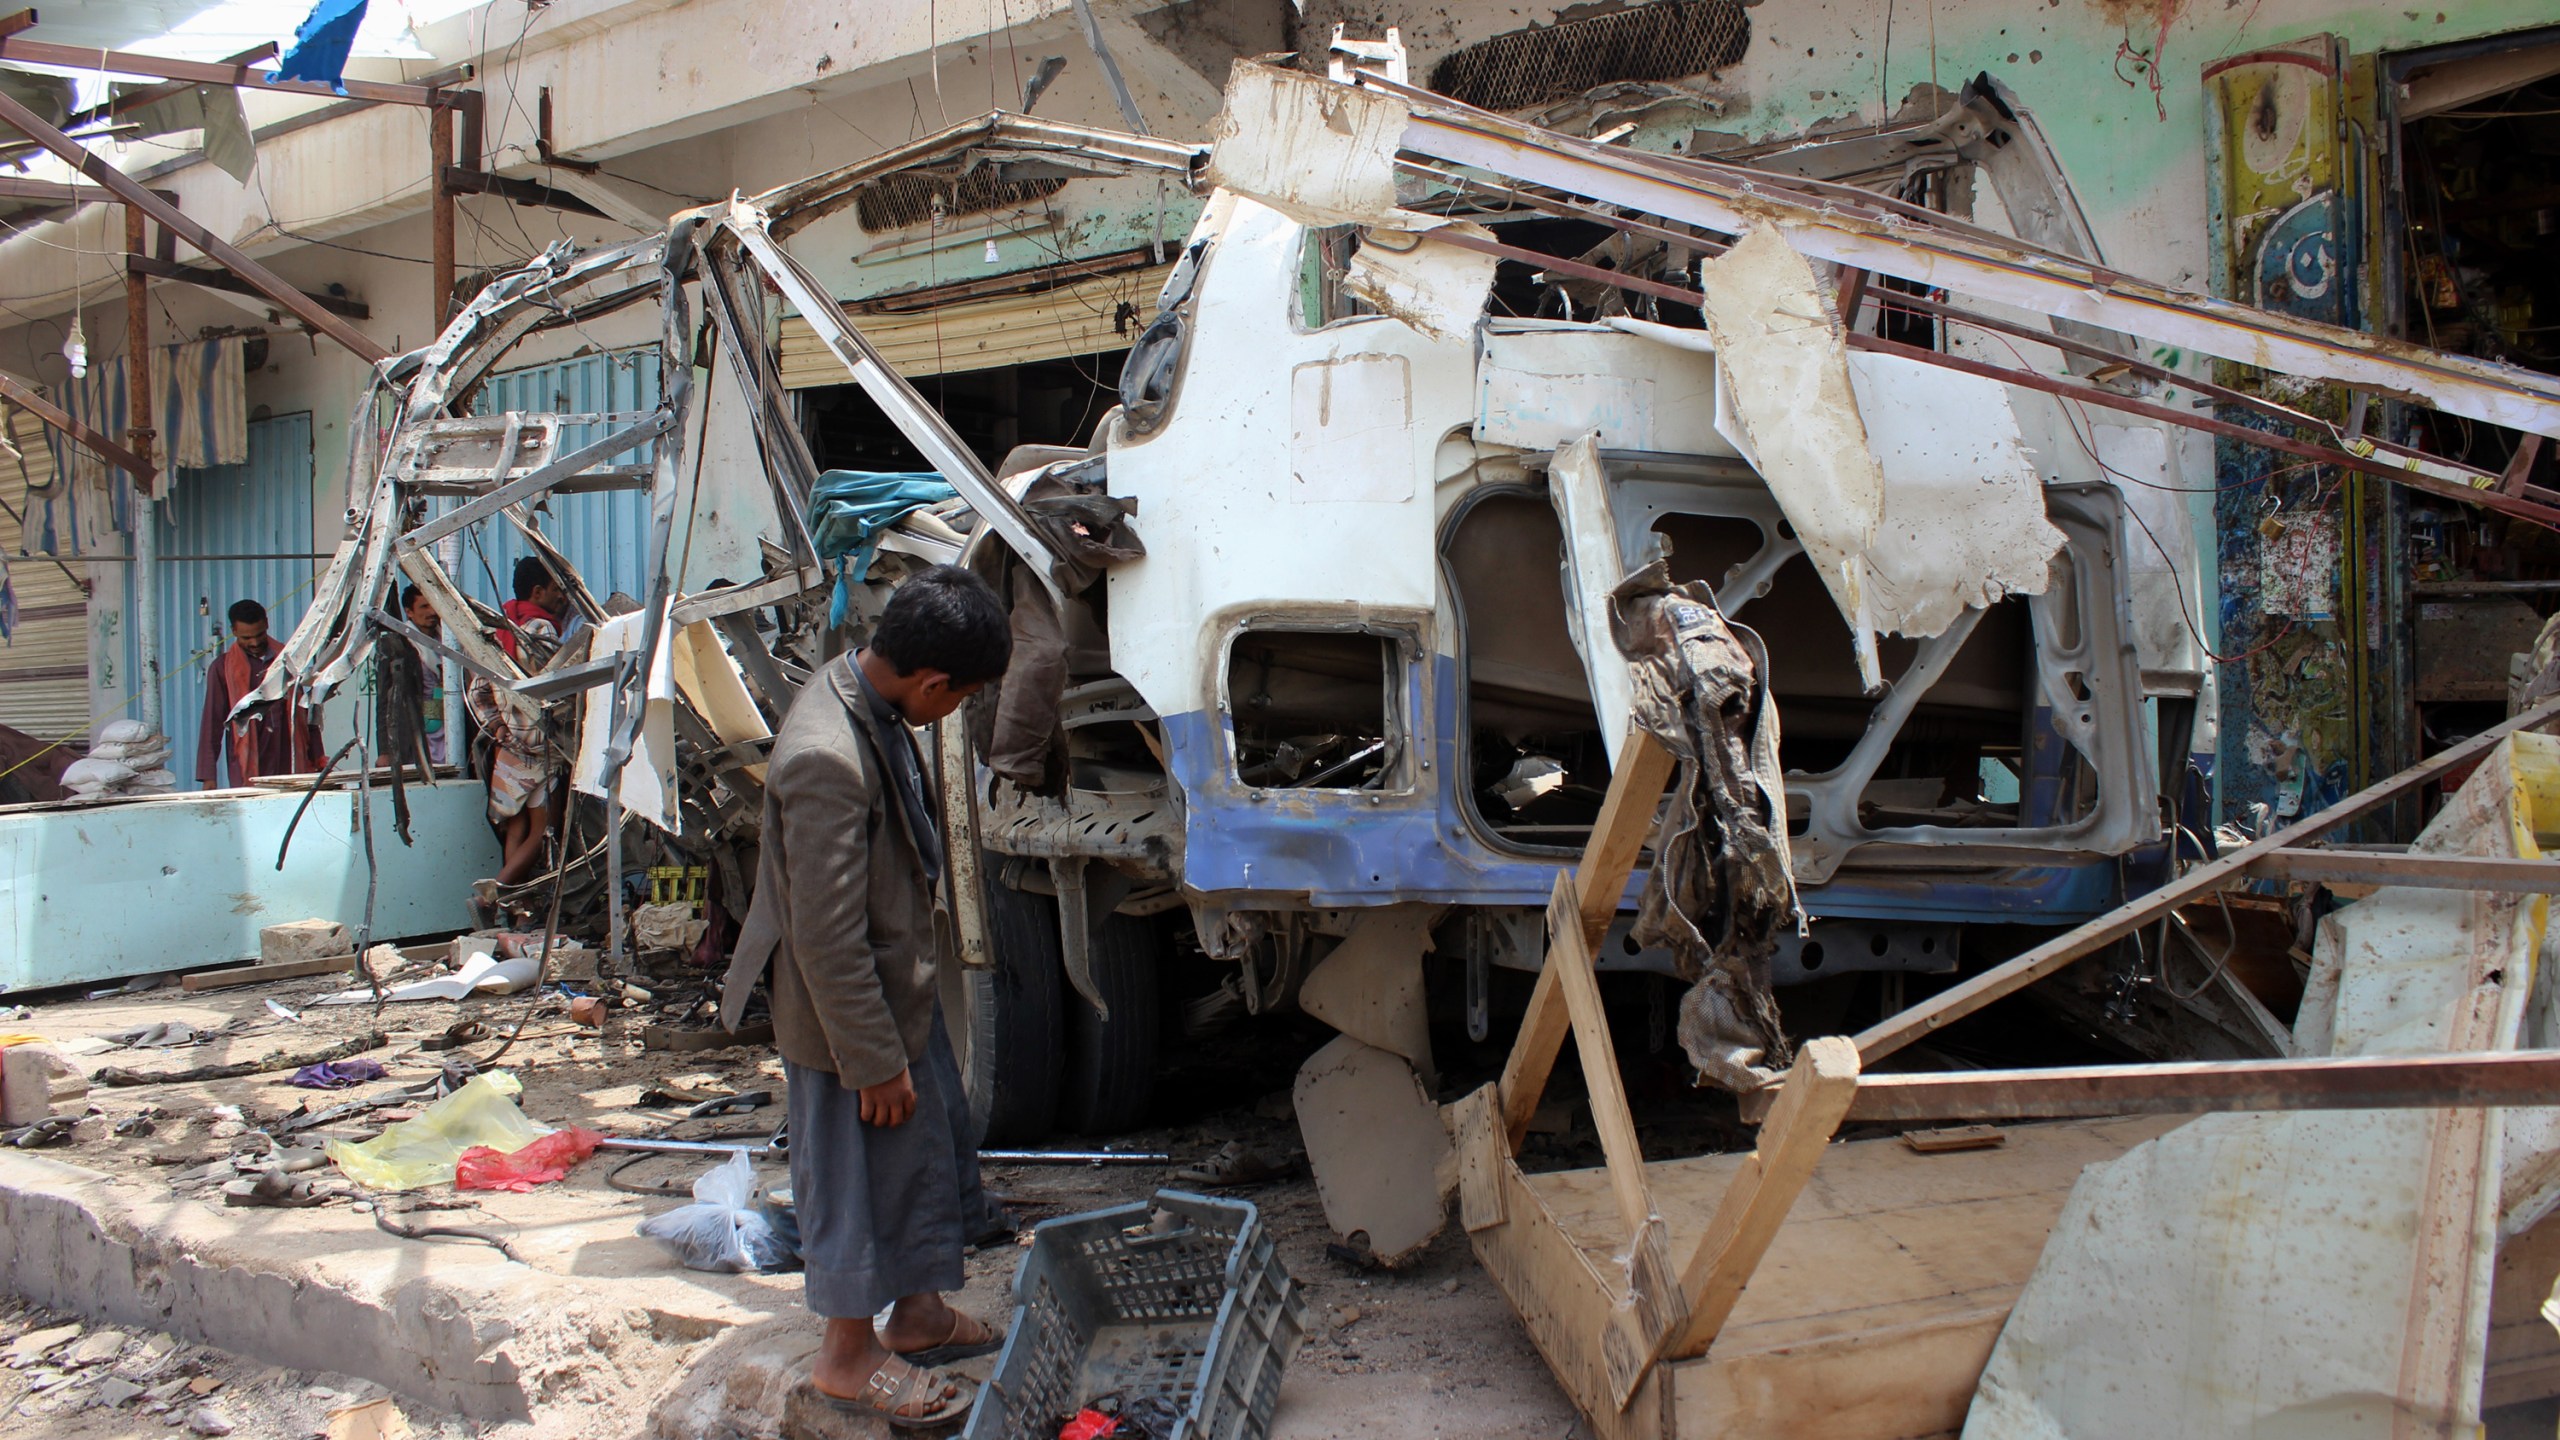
1180	1296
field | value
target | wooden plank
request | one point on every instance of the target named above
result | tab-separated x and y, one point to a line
1563	1299
1816	1092
2493	1078
1476	1120
1569	959
2496	874
2010	976
1617	838
256	974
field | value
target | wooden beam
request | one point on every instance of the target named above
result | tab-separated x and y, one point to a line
1569	959
1810	1102
2349	1082
90	61
212	245
230	284
17	24
46	411
2494	874
254	974
1617	838
2010	976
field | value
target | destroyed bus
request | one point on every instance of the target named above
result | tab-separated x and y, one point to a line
1319	681
1362	671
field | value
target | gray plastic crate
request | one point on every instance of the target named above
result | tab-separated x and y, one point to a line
1180	1296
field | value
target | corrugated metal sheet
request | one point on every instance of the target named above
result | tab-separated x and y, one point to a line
1086	318
606	533
44	667
238	532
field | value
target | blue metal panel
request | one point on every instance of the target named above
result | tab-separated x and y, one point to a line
604	534
142	886
236	532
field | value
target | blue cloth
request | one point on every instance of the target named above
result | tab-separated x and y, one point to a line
849	508
320	47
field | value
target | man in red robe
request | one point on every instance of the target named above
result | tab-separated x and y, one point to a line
282	739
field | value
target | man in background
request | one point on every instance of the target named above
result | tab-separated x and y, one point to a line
403	679
278	739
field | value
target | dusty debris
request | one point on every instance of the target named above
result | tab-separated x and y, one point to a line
1375	1142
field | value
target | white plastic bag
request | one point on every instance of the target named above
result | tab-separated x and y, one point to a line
722	1230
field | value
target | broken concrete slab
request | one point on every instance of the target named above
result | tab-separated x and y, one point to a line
1382	1159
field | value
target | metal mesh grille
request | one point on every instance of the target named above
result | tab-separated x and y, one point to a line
1666	40
898	201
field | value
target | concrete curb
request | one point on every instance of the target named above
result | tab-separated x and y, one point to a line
487	1340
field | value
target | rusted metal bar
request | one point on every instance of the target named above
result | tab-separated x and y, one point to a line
440	210
1952	1004
464	180
2350	1082
126	104
137	346
2495	874
230	284
135	197
2013	273
198	72
51	414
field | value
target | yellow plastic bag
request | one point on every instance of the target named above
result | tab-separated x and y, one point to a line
422	1151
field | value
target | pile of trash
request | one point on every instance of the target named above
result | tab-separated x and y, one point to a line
129	758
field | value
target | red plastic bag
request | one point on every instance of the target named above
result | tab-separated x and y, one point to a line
1088	1425
539	1163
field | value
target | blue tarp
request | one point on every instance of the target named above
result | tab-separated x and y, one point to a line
849	508
320	47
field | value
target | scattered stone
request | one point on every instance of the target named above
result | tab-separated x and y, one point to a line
1347	1316
27	1349
204	1385
99	1348
165	1391
115	1390
155	1346
1449	1286
206	1420
303	940
44	1380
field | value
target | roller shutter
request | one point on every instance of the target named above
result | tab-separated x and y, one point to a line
1086	318
44	666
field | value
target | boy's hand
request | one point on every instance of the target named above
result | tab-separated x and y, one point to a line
889	1103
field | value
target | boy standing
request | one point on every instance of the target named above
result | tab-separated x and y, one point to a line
884	1169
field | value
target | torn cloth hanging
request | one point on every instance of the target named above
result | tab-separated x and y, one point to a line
849	508
199	413
1719	886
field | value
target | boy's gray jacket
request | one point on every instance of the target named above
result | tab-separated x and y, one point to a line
842	909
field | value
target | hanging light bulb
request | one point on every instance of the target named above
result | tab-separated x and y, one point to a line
76	348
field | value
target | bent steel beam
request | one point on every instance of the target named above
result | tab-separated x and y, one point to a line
1733	200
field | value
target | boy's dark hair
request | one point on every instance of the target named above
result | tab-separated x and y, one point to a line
248	612
531	574
408	597
946	619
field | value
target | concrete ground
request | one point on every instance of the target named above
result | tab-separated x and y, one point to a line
594	1331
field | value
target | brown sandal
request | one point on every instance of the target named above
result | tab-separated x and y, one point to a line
987	1342
890	1391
